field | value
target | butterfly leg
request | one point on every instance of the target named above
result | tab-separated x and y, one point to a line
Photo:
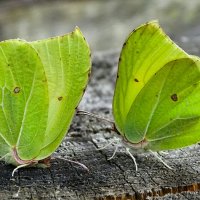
18	167
133	158
74	162
116	148
160	159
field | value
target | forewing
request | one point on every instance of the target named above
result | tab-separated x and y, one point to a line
146	50
67	66
23	99
167	110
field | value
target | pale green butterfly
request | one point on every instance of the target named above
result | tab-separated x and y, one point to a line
41	84
156	103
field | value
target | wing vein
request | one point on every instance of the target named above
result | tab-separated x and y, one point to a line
166	137
156	104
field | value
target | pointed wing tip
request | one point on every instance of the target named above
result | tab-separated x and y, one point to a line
77	31
154	22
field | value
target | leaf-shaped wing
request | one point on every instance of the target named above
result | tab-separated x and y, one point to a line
66	61
146	50
23	99
166	113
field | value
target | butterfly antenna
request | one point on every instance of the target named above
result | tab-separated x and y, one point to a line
75	162
82	112
133	158
18	167
160	159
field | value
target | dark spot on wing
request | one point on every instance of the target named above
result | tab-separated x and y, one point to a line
174	97
136	80
60	98
44	80
16	90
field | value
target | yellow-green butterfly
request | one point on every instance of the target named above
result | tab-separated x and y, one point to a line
41	84
156	104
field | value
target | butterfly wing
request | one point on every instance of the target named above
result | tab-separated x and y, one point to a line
66	61
23	99
166	112
146	50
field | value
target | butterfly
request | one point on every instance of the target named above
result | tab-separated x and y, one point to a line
41	84
156	104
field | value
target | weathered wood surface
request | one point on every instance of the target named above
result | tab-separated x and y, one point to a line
114	179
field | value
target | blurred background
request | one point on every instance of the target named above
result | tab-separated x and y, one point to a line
105	23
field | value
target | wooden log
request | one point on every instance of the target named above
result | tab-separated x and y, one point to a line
107	179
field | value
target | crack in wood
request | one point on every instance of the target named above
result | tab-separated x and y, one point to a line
159	192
